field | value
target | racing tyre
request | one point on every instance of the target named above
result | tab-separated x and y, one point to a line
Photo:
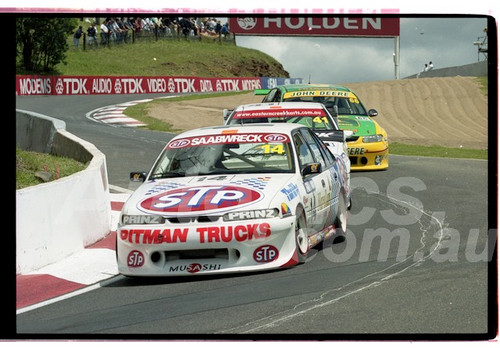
341	220
301	241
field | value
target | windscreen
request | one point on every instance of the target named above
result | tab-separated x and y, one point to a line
225	154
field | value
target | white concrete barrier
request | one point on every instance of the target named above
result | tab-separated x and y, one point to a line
59	218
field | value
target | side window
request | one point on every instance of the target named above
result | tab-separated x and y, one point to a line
319	156
270	96
303	151
357	107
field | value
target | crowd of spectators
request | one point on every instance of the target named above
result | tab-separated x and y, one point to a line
120	29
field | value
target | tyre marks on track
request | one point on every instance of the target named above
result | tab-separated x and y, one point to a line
430	240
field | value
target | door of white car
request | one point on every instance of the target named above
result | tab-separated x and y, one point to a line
318	186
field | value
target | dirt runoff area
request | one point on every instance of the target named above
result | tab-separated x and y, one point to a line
444	111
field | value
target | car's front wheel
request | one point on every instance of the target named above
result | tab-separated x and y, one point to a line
301	240
341	220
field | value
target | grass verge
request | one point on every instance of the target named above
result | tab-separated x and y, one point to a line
436	151
29	163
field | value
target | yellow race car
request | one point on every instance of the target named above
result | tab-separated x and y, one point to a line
368	146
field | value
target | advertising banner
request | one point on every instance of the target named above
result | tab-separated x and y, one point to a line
83	85
271	82
316	26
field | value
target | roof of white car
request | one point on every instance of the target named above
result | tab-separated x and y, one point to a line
280	105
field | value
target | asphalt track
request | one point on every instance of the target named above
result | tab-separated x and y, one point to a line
415	264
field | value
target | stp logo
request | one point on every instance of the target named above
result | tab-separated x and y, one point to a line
135	259
265	253
206	199
270	138
177	144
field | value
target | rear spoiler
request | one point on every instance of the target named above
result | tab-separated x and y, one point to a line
262	91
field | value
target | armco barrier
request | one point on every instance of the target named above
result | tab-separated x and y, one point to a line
59	218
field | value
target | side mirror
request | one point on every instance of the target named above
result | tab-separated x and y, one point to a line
372	112
311	168
138	176
348	134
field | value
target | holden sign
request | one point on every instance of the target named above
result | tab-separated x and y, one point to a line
316	26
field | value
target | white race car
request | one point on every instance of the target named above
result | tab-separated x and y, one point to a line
313	115
230	199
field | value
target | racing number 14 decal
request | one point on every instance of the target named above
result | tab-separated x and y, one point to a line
268	148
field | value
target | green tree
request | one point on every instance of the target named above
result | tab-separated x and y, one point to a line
42	42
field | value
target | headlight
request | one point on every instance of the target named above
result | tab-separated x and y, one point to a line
251	214
372	138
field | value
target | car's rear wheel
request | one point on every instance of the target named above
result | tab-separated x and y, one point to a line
341	220
301	240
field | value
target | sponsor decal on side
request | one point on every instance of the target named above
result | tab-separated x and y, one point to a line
266	253
251	214
356	150
285	210
291	191
239	233
135	259
208	234
195	267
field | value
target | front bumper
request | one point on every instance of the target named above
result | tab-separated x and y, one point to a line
205	248
368	156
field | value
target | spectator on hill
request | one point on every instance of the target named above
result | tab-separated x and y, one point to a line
195	28
76	37
104	32
430	66
185	25
92	35
225	30
218	27
211	25
146	24
123	29
129	27
116	30
170	25
137	25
